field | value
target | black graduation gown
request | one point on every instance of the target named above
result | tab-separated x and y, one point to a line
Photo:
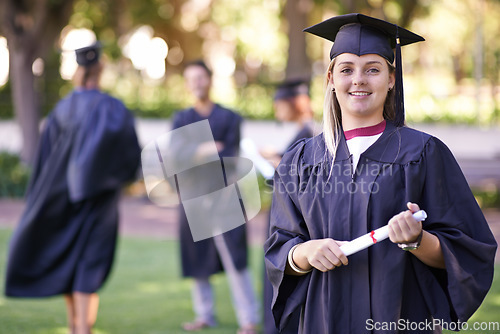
382	283
65	240
269	326
200	259
305	132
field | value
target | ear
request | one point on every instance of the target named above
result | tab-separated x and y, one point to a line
392	80
330	77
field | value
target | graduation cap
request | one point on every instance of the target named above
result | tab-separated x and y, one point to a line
293	88
360	34
88	55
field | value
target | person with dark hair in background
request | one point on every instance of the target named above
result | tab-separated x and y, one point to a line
228	251
65	241
291	103
365	171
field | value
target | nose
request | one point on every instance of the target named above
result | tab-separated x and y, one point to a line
359	78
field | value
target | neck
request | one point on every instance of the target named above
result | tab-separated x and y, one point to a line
350	123
204	107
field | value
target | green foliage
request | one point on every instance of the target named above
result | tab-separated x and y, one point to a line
51	87
255	102
14	176
6	108
487	198
254	35
266	192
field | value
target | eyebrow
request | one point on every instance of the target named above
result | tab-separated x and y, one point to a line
368	63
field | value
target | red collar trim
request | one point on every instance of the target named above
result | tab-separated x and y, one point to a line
367	131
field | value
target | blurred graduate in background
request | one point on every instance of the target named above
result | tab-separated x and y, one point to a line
226	252
65	241
292	103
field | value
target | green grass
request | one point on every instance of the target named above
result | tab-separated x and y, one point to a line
145	294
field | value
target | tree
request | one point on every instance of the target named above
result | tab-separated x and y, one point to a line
298	64
31	29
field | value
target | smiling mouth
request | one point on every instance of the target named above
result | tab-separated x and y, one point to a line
359	93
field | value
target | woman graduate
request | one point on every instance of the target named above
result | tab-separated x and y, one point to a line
66	238
367	169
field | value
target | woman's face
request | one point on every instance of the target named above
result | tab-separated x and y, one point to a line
361	85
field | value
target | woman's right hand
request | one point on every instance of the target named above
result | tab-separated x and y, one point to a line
322	254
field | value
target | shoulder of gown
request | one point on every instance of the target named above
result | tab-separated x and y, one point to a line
397	145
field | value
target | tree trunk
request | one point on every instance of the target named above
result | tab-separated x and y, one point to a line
25	100
31	28
298	65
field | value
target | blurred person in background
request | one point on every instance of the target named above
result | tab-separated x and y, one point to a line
292	103
65	241
227	252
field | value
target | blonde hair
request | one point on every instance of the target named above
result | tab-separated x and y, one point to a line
88	76
332	115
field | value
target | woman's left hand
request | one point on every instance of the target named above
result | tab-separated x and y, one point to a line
403	228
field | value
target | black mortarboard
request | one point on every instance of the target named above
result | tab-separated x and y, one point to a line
293	88
360	34
88	55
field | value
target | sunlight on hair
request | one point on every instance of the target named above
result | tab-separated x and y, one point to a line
70	41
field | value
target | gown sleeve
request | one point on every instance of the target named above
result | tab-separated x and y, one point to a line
467	242
287	230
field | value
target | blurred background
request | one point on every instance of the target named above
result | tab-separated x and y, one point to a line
452	78
451	81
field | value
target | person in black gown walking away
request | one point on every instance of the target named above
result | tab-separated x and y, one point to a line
66	238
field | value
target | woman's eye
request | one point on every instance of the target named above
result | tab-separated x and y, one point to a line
373	70
346	70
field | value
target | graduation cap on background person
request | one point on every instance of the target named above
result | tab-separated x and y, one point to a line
88	55
291	88
360	34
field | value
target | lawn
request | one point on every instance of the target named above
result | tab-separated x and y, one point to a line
145	295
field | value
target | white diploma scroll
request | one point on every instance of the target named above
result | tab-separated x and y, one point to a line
373	237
